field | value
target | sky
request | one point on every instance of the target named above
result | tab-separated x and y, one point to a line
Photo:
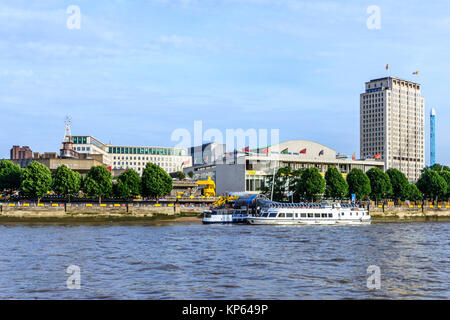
136	71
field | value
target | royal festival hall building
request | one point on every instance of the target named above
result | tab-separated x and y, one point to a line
249	171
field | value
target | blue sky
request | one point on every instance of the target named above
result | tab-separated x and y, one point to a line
137	70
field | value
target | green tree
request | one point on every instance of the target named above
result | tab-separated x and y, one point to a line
432	185
336	186
180	175
446	175
311	185
128	184
400	184
414	193
36	181
438	167
98	183
66	182
380	184
10	175
190	174
358	183
155	182
280	184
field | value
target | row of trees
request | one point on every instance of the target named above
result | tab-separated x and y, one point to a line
36	180
310	185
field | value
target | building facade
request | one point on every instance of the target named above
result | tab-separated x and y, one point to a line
392	124
249	171
207	153
120	158
18	153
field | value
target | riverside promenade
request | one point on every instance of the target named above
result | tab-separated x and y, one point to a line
141	212
95	212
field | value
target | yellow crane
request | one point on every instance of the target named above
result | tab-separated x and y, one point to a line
210	187
223	200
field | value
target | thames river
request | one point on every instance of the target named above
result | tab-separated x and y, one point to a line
194	261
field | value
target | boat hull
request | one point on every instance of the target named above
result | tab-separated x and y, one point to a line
278	221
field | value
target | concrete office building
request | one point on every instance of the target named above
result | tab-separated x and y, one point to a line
249	171
120	158
392	124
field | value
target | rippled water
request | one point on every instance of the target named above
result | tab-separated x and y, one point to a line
225	262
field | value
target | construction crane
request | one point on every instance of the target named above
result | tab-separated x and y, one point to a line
210	187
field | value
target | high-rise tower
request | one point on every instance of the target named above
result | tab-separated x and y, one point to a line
432	137
392	124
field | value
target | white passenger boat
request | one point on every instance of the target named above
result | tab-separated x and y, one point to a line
310	213
225	215
217	216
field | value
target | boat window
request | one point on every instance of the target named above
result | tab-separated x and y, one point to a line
281	215
324	215
273	215
316	215
289	215
310	215
303	215
350	213
296	215
330	215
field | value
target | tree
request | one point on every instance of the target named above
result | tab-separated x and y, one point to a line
281	184
98	183
414	193
190	174
180	175
155	181
336	186
380	184
358	183
36	180
446	175
432	185
311	185
128	184
400	184
10	175
438	167
66	182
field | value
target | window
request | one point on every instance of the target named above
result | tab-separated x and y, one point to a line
310	215
289	215
316	215
303	215
330	215
273	215
281	215
324	215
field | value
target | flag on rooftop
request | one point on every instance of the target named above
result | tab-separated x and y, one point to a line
303	151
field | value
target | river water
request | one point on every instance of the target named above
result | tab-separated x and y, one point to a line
194	261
